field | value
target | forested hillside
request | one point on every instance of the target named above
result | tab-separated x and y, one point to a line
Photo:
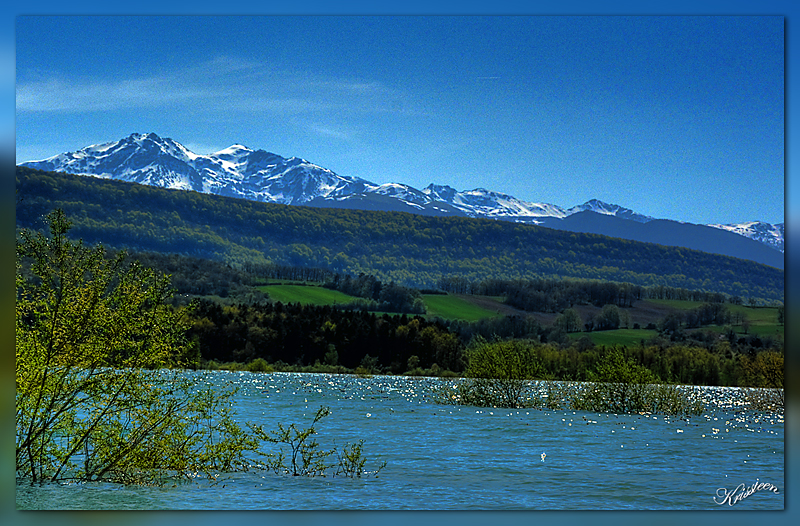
408	249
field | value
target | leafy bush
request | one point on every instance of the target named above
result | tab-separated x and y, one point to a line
620	385
94	401
259	365
497	374
352	461
91	404
305	456
765	369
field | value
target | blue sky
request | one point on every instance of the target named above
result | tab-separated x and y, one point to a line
679	117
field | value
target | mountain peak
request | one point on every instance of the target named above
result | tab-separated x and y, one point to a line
258	175
601	207
439	192
140	137
234	149
767	233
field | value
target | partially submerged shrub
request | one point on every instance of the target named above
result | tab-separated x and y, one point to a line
557	395
91	402
765	399
352	461
259	365
486	392
619	386
673	400
622	386
306	457
498	375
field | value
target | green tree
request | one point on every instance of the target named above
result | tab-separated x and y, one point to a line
607	318
569	321
91	403
764	372
765	369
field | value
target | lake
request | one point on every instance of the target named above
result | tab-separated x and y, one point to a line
444	457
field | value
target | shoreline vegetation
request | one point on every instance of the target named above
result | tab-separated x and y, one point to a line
613	390
97	337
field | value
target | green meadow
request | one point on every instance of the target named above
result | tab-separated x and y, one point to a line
626	337
762	320
452	307
305	294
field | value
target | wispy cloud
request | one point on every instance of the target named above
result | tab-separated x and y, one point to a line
333	132
220	83
82	95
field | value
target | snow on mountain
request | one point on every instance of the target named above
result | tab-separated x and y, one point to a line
410	195
767	233
442	193
613	210
236	171
239	171
484	203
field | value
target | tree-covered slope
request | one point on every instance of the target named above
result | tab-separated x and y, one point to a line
409	249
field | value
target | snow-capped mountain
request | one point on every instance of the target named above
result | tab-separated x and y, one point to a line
766	233
238	171
600	207
484	203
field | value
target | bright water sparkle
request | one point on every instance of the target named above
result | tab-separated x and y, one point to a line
457	457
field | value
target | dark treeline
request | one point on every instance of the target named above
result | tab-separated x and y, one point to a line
506	327
555	295
313	335
288	272
196	276
706	314
307	334
205	277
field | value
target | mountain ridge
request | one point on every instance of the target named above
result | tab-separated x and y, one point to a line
259	175
409	249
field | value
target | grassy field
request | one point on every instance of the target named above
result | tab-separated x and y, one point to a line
679	304
763	320
305	294
454	307
627	337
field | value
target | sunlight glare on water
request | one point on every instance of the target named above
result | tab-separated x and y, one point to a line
461	458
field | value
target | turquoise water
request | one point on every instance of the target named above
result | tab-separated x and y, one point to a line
454	457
